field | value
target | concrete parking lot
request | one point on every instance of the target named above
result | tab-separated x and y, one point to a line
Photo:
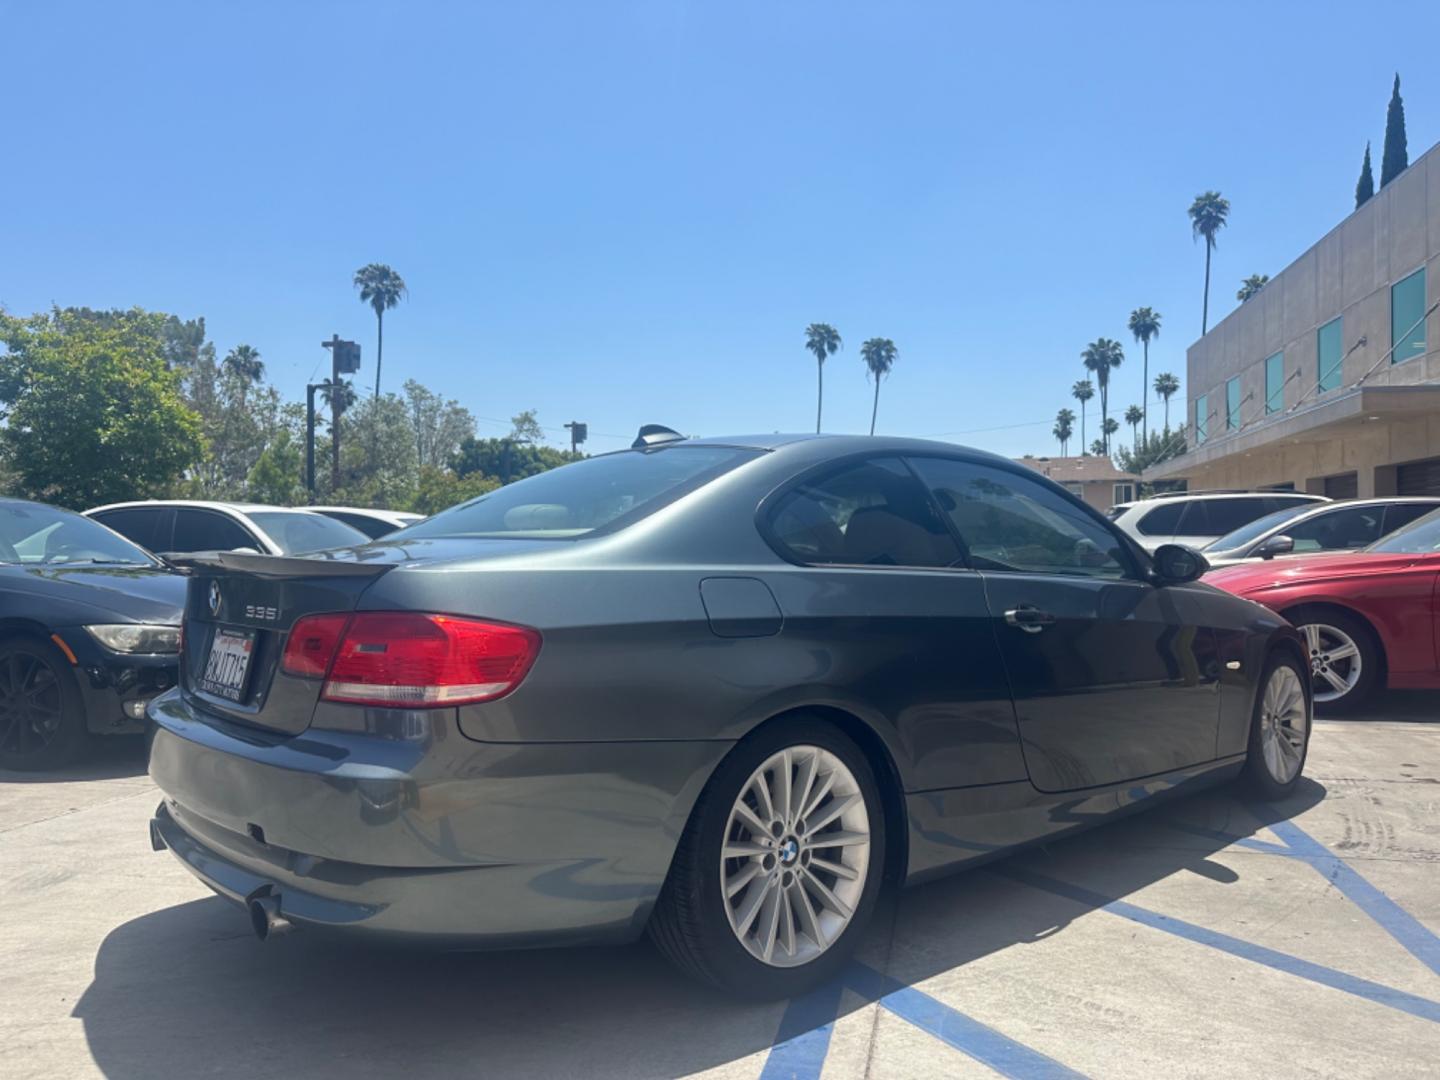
1207	937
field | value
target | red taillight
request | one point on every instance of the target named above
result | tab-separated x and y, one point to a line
311	645
409	660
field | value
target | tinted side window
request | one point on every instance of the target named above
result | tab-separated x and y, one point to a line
371	527
205	530
870	514
142	526
1402	514
1216	517
1161	521
1338	530
1010	522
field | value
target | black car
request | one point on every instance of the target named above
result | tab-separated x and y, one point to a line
89	633
726	690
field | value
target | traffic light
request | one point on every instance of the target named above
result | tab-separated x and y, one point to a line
347	357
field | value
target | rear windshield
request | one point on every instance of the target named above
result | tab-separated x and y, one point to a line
611	490
302	533
1420	537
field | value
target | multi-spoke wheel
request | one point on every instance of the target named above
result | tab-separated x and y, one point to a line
41	724
780	865
1344	657
1280	731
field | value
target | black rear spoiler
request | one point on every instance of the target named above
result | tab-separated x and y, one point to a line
280	566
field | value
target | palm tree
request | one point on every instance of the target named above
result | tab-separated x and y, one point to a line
381	288
1064	428
1101	356
1207	217
1250	286
1166	385
1082	391
1145	325
879	354
1133	415
1107	428
823	340
338	395
244	363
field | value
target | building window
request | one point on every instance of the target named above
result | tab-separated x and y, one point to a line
1274	383
1232	404
1202	425
1328	344
1407	322
1124	493
1076	488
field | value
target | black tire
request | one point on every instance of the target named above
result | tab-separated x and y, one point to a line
690	925
42	715
1256	777
1371	656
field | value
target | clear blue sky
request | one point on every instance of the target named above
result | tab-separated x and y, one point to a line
628	212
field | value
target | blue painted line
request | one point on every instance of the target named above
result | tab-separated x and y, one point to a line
1416	939
1259	954
969	1036
804	1036
1228	839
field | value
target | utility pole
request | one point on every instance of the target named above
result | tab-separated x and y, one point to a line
579	432
310	441
344	359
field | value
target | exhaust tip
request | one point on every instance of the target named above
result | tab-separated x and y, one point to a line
265	917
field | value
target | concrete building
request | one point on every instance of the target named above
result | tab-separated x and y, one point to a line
1328	380
1094	479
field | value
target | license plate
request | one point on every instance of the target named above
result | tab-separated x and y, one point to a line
228	664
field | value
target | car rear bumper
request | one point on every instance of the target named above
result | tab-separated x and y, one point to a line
433	838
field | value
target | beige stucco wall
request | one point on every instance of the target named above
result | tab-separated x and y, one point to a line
1348	273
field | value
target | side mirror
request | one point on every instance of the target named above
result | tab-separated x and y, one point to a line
1276	545
1176	564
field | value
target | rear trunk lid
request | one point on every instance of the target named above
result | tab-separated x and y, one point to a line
239	610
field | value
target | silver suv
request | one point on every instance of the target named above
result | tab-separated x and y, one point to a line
1195	519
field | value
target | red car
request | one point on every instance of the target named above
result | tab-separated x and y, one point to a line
1368	617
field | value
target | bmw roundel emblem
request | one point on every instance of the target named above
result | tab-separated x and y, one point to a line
214	598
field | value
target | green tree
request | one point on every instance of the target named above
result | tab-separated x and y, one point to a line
382	288
1101	357
507	460
879	355
1365	186
441	424
1108	427
277	476
1166	385
244	363
1395	157
1145	325
92	411
1064	428
1082	391
1157	447
439	489
1098	448
338	395
822	340
1250	286
1208	214
1133	416
525	428
378	463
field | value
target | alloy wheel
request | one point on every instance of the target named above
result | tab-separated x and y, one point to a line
31	704
1284	724
1335	661
795	856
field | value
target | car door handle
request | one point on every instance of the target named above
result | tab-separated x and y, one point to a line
1030	619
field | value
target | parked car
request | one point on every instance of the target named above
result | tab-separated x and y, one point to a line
181	526
1196	520
89	633
373	523
1369	619
1306	529
725	689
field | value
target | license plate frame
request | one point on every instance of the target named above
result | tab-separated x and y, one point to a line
227	666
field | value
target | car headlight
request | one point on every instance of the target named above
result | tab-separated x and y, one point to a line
137	637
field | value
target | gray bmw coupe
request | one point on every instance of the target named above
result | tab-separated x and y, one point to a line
722	690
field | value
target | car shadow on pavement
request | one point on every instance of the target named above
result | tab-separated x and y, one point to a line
187	991
110	757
